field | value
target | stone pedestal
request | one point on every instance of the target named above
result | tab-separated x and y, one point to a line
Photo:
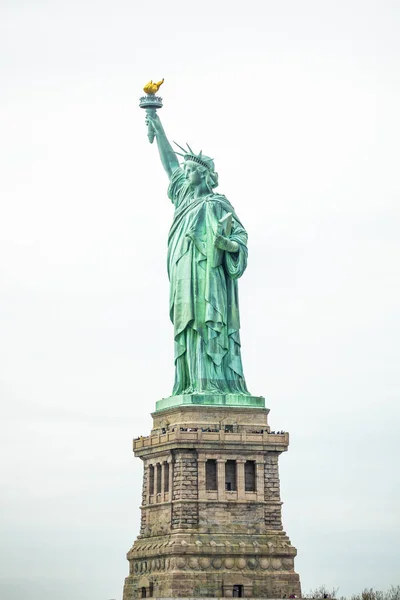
211	510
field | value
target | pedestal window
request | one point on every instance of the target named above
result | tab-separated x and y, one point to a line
151	480
211	475
166	477
230	476
250	476
158	467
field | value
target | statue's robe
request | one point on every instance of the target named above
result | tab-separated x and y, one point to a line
204	304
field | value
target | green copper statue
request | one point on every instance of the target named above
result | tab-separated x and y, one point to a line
207	253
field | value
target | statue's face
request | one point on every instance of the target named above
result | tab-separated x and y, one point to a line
193	174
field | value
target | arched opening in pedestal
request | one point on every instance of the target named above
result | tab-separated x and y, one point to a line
237	591
237	586
144	588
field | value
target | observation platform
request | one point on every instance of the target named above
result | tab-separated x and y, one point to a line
277	441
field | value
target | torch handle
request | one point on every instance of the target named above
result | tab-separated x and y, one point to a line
150	129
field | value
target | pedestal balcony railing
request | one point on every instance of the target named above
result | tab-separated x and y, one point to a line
177	436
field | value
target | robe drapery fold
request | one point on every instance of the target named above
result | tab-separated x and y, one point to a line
204	305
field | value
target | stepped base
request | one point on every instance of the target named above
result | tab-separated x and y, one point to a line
239	400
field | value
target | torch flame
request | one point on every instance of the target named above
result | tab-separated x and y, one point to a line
152	88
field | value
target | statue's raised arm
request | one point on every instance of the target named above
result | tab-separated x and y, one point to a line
168	157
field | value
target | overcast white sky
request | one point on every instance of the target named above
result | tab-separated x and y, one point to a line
298	101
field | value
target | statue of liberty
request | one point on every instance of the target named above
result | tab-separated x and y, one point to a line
207	253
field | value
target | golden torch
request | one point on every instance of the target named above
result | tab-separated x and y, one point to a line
150	103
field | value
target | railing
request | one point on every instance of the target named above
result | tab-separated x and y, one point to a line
210	436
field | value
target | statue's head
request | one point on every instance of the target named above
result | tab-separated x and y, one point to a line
199	167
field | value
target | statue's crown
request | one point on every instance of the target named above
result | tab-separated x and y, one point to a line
204	161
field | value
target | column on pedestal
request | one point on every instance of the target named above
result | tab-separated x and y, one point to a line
240	462
163	481
170	475
201	469
158	487
260	465
221	478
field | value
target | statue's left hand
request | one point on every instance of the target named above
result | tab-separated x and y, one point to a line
224	243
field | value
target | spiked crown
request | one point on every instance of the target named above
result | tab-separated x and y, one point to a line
199	158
